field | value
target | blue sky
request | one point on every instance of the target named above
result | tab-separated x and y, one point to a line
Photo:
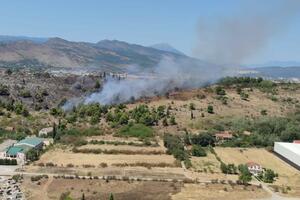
138	21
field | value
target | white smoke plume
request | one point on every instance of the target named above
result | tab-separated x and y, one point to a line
169	74
226	42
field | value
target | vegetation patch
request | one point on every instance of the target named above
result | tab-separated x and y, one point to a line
136	130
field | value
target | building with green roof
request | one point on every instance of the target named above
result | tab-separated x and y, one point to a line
33	142
19	149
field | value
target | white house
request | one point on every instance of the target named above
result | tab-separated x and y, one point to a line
254	168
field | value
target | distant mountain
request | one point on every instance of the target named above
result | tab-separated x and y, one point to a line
6	38
166	47
57	52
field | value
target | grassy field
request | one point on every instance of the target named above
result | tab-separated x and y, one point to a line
288	176
206	164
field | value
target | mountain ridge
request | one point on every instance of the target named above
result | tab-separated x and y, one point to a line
58	52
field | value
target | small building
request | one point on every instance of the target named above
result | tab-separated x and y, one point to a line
45	131
254	168
223	136
19	149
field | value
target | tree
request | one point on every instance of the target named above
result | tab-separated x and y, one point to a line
172	120
198	151
220	91
97	84
210	109
224	168
83	196
245	176
165	122
32	154
192	106
111	196
192	115
8	72
269	176
203	139
54	131
263	112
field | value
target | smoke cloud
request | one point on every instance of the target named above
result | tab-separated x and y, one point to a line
230	40
222	44
169	74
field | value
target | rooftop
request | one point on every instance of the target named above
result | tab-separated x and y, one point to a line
30	141
294	147
13	150
250	164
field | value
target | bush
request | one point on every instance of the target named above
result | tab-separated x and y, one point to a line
198	151
136	130
220	91
210	109
4	90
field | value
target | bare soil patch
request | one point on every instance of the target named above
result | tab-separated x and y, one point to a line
99	189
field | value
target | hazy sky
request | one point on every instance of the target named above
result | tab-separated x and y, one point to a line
140	21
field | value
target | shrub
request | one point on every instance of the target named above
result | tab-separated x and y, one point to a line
6	161
210	109
198	151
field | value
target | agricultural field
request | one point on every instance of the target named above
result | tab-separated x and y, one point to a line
219	191
288	175
52	189
207	164
61	157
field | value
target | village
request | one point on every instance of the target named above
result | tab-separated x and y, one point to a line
14	157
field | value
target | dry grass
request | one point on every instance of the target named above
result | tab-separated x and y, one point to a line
206	164
61	157
99	189
235	107
217	192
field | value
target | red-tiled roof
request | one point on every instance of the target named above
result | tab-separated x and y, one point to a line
251	164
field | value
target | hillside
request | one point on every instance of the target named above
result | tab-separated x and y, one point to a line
109	55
